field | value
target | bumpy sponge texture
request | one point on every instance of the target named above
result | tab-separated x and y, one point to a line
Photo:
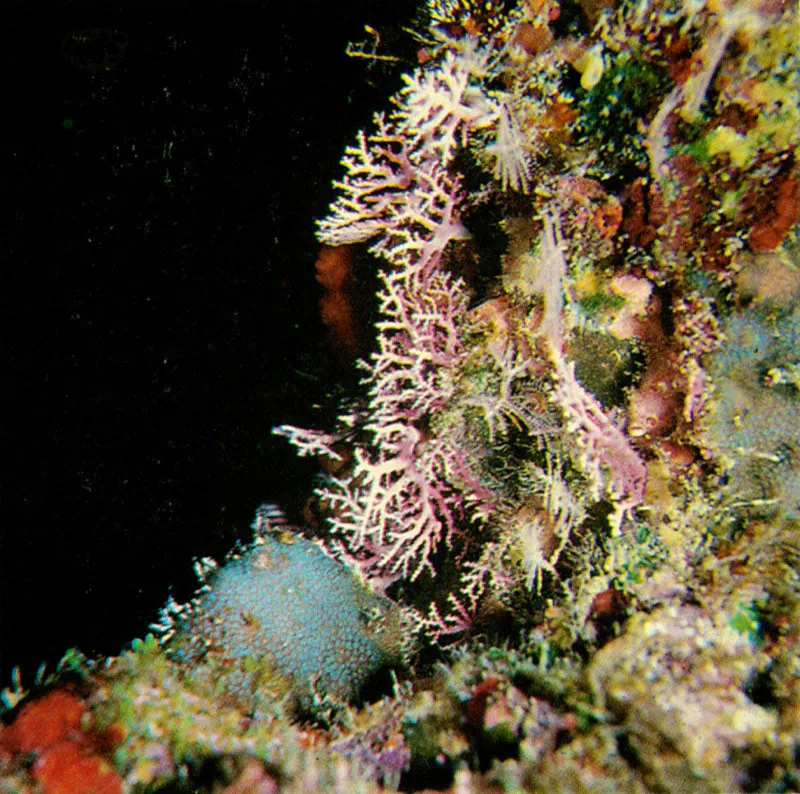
282	618
752	422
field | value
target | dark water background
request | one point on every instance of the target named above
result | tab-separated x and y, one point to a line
163	167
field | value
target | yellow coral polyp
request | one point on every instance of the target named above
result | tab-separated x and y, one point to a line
725	140
780	130
767	92
591	67
586	285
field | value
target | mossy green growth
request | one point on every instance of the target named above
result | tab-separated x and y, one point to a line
169	719
611	111
600	302
747	621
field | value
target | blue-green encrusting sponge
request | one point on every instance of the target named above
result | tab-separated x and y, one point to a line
281	618
752	422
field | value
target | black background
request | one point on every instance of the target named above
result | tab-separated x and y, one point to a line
160	315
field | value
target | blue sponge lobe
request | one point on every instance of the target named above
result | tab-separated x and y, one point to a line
281	617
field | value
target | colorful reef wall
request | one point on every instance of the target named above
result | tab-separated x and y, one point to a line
554	541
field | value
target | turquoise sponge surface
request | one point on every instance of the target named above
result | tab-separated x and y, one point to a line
281	617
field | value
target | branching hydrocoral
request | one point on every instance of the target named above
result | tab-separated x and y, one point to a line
499	446
421	490
411	490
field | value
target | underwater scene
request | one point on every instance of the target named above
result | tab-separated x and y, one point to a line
533	517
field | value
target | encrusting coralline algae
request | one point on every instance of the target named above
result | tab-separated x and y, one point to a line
563	502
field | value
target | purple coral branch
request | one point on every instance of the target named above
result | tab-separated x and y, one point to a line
410	490
605	446
605	450
457	621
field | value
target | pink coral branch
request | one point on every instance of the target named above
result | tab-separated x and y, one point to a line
605	451
456	621
410	490
604	445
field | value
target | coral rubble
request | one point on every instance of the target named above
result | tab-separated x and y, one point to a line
566	492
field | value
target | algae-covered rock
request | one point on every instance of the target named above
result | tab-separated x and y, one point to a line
676	680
